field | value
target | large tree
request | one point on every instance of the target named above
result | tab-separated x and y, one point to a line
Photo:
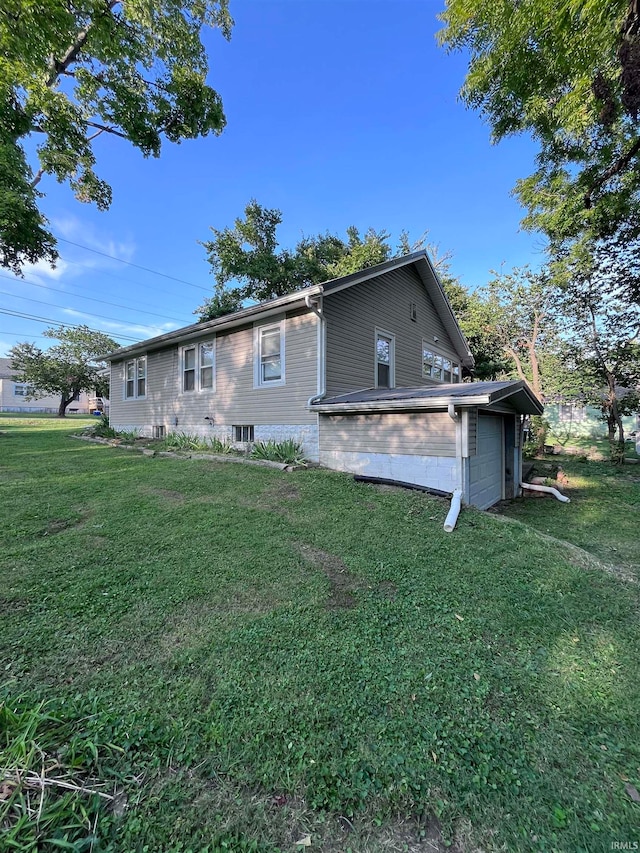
67	368
73	71
568	73
249	255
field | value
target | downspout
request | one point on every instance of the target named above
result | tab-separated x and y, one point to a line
454	511
451	411
322	392
548	489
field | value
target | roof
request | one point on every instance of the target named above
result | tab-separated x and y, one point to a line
5	369
461	395
420	261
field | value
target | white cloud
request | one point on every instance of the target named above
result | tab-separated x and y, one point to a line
71	228
146	331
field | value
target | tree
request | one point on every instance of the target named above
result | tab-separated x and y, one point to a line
569	74
67	368
249	254
603	329
73	71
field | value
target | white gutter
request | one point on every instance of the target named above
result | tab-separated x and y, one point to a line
454	511
451	411
316	307
548	489
408	403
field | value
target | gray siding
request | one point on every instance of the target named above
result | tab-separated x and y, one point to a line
235	400
352	316
408	433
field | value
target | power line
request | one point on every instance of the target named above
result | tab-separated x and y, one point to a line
92	299
122	278
131	264
24	316
62	307
66	308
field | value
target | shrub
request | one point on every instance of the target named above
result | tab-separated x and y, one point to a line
288	452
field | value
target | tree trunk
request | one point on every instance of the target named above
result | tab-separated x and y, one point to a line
62	408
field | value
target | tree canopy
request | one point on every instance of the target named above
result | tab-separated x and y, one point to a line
72	71
67	368
569	74
249	254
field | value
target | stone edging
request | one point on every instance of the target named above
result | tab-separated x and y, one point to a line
209	457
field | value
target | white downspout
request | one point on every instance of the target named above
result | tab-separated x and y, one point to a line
454	511
549	489
313	306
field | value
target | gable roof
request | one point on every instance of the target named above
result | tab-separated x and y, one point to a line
419	260
462	395
6	371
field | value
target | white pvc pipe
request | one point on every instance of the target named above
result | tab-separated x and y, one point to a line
549	489
454	511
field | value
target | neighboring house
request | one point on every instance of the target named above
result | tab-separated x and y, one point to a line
14	394
364	371
573	419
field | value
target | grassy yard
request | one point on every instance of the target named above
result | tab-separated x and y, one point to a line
245	657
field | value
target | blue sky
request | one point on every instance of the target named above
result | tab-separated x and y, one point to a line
339	112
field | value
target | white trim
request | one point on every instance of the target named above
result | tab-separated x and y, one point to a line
135	396
436	351
381	333
258	330
197	367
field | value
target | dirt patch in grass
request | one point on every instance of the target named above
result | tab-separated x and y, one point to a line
342	583
59	525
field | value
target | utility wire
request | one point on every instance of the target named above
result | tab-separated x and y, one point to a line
137	266
117	277
92	299
24	316
87	313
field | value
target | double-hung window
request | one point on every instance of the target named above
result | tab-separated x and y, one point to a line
135	378
269	355
439	367
21	389
199	367
385	360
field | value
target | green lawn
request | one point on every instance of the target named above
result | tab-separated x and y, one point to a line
244	657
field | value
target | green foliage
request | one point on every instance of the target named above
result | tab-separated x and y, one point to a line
67	368
248	254
54	761
567	74
187	441
288	452
101	428
73	71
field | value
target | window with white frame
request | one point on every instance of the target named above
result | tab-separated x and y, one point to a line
385	360
198	367
135	378
439	367
21	389
269	350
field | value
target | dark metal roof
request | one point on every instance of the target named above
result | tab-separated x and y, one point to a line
485	394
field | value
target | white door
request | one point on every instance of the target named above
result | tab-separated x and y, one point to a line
486	475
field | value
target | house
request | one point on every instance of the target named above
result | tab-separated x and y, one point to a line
14	394
365	371
573	419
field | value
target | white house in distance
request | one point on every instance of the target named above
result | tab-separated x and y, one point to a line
14	394
365	371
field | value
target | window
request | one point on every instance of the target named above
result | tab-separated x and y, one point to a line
21	389
438	367
385	360
159	431
243	433
198	367
269	349
571	413
135	378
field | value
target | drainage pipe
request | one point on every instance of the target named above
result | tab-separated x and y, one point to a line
454	511
549	489
385	481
